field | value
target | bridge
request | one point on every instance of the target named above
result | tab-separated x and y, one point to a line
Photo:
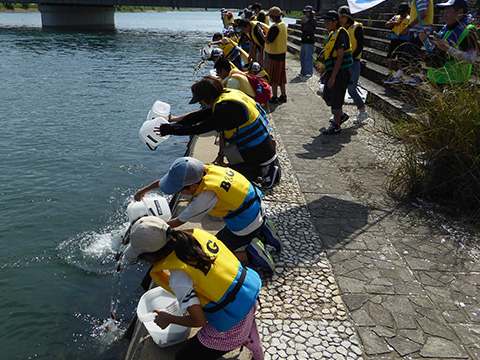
99	14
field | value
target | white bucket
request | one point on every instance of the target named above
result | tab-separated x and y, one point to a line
159	298
206	52
149	206
159	109
149	136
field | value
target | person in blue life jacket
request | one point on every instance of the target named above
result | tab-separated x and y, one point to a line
454	50
242	125
216	292
223	193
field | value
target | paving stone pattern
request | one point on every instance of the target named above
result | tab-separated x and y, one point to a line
361	276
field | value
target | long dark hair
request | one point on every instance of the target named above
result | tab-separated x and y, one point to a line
188	249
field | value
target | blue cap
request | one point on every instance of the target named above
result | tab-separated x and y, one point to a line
184	171
462	4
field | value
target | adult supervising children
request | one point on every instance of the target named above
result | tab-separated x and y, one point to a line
355	31
338	60
222	192
257	44
210	284
276	48
307	26
454	50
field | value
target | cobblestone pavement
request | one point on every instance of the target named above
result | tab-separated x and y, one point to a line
361	277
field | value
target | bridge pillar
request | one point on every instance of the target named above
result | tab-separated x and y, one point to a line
77	16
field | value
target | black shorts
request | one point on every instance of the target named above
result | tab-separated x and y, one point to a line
234	242
335	96
396	48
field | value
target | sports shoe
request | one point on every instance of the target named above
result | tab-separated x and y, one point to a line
254	343
393	80
271	236
417	80
269	179
332	130
360	117
344	117
389	74
260	256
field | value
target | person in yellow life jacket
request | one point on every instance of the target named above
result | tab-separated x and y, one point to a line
338	60
232	78
275	39
259	14
257	43
412	53
397	41
242	126
355	31
255	69
230	48
454	50
216	292
222	192
227	18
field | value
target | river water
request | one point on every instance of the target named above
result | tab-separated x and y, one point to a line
70	161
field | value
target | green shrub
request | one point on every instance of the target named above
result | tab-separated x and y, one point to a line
441	157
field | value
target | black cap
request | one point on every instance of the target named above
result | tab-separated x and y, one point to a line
331	15
309	8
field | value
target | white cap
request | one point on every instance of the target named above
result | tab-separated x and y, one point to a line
148	234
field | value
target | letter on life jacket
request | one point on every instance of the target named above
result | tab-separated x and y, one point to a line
238	200
226	290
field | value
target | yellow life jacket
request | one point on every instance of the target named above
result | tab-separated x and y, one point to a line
227	291
331	54
397	29
428	19
228	47
251	33
353	39
227	21
230	187
244	83
267	19
279	45
223	270
246	101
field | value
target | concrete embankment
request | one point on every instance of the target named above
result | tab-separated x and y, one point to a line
361	277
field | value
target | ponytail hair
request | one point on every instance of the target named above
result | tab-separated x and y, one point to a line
188	249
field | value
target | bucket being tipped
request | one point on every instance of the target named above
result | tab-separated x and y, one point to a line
159	298
149	136
149	206
159	109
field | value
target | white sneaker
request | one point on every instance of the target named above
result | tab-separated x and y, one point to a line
360	117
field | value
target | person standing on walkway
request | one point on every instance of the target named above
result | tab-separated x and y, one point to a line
222	192
276	48
308	26
412	52
338	61
451	57
355	31
210	284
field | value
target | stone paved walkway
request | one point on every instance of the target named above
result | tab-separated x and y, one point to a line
361	276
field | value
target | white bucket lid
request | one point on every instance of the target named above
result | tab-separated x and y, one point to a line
149	136
149	206
159	109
